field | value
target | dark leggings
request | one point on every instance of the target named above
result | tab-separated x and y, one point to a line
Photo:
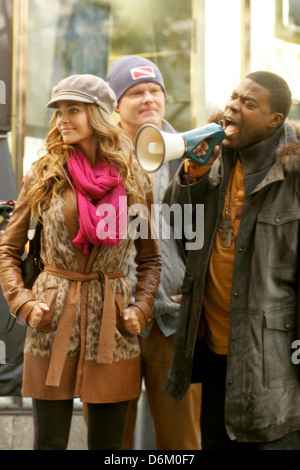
52	422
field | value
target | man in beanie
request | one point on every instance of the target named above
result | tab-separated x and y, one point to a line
140	91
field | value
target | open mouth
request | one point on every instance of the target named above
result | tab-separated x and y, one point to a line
230	127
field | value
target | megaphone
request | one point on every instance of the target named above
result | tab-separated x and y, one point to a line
153	147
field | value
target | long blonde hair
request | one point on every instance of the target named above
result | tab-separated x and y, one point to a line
49	173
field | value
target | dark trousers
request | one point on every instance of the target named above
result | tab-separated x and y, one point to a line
213	431
52	422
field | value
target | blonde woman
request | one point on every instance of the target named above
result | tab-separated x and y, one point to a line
81	337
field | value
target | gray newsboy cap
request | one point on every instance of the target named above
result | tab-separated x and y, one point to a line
85	88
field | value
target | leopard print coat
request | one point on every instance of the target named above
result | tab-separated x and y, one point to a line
77	367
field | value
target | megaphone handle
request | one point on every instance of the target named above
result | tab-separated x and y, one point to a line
212	142
204	158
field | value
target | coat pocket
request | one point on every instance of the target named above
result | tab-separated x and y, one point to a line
279	334
45	323
277	231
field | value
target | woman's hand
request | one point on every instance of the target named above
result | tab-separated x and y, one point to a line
36	314
1	234
131	321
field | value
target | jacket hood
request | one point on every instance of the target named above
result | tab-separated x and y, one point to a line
289	147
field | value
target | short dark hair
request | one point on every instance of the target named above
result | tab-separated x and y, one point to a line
280	94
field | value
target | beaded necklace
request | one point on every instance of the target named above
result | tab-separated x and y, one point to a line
226	224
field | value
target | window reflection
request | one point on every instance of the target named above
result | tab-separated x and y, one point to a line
287	22
84	36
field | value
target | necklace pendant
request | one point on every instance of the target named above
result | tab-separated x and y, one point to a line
226	233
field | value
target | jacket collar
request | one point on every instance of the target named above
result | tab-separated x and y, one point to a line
287	158
258	159
267	161
166	127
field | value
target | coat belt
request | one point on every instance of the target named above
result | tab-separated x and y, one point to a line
67	319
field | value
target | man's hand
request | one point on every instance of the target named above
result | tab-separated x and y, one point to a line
196	170
176	298
201	150
131	321
36	314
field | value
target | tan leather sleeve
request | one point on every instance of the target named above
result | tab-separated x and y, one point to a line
148	269
20	300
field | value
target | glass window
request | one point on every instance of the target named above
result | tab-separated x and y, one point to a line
83	36
160	31
65	37
287	22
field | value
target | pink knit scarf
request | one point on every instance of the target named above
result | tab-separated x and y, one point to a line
102	213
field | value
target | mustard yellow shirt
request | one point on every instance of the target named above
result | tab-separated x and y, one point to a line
217	292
